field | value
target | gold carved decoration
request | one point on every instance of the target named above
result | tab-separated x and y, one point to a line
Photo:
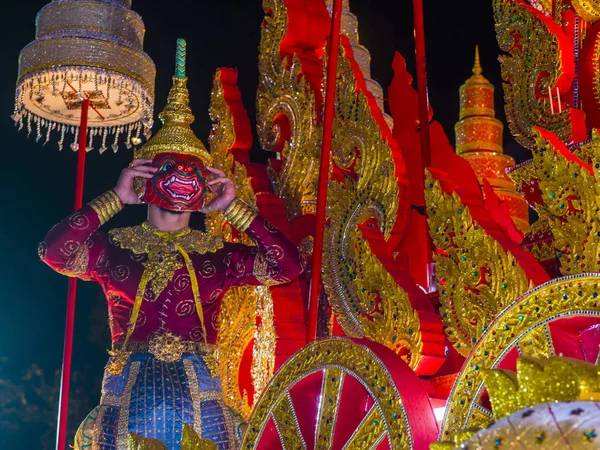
189	441
535	61
535	388
223	138
540	381
237	330
571	198
362	292
588	9
522	325
241	306
287	117
338	359
477	278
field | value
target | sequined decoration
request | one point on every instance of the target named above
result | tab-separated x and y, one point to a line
561	298
285	92
536	60
477	278
540	381
572	425
241	306
363	294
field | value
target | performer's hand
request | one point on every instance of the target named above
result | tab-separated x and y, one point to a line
224	189
124	187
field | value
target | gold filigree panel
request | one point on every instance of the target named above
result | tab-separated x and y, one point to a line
477	278
534	62
241	306
363	294
287	117
571	200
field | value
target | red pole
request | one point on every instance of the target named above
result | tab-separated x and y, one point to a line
423	110
422	82
65	380
332	62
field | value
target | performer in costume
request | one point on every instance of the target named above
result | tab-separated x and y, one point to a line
164	283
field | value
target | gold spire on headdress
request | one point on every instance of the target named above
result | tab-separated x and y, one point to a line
176	136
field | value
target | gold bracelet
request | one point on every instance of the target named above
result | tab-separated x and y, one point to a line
106	206
239	214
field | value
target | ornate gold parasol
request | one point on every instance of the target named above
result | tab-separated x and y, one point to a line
86	50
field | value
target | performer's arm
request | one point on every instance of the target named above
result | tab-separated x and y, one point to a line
75	247
274	260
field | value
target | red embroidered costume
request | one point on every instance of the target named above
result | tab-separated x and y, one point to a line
118	259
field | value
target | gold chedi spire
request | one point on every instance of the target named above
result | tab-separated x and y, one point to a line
477	106
479	141
176	136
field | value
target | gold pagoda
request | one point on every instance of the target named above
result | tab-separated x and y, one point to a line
479	141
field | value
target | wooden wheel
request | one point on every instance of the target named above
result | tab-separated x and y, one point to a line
342	393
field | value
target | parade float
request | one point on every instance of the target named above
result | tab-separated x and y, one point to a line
431	312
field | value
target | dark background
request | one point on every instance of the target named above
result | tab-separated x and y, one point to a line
38	182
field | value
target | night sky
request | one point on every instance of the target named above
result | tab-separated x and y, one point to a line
38	182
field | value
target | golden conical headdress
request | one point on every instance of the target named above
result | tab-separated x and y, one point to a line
176	136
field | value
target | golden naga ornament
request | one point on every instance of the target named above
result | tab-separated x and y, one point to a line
241	306
364	295
570	200
477	278
285	99
539	58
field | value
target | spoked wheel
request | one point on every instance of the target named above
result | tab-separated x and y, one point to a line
559	318
342	393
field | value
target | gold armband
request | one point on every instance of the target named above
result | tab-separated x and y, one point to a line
240	214
106	206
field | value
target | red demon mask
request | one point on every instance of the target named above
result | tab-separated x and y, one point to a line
178	185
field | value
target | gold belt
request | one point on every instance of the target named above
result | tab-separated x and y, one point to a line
165	347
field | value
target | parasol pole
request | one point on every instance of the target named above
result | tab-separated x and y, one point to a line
423	111
332	62
65	378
